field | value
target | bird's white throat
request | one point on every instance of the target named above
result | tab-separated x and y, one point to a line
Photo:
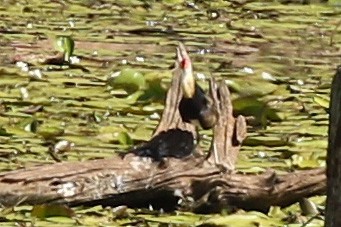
188	83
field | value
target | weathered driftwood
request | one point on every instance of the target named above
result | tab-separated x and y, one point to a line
172	179
333	208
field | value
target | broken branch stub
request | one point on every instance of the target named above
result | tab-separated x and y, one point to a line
229	132
171	118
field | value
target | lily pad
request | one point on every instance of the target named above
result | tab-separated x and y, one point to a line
66	45
251	106
50	132
251	87
128	79
322	100
46	210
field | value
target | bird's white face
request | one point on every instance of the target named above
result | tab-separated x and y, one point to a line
187	78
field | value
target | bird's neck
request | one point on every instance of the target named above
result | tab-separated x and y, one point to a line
188	83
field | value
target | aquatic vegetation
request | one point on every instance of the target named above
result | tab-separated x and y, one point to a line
277	58
66	45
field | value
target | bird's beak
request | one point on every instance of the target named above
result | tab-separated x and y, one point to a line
185	65
179	57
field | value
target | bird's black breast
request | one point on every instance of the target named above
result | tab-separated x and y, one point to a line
171	143
196	108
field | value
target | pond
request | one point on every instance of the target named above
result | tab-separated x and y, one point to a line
278	57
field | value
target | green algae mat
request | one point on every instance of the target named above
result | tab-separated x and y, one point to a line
278	58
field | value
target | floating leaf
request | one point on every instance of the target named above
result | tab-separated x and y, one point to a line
29	125
50	210
251	87
298	161
66	45
322	101
128	79
3	132
275	211
173	2
251	106
95	210
134	97
242	220
155	90
50	132
124	138
269	141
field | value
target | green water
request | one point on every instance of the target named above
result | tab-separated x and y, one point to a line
278	59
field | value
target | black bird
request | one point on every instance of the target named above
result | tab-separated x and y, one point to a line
195	105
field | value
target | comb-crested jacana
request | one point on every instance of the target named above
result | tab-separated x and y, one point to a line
195	105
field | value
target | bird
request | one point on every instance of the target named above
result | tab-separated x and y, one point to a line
195	105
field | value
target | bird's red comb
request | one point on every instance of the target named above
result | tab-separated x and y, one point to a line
184	61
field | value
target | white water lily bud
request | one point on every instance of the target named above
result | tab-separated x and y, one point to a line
154	116
248	70
36	74
201	76
72	23
24	93
63	146
115	74
140	59
74	60
23	66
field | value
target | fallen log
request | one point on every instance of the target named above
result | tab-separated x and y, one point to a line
169	171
